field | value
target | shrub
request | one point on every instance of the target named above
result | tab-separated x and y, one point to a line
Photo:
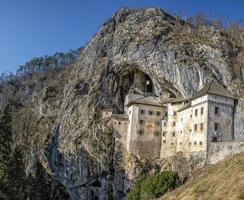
153	186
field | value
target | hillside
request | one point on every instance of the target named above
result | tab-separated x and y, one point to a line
224	180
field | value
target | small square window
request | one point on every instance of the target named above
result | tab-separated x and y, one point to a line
119	122
142	112
195	127
216	110
158	113
216	126
201	126
190	130
200	143
164	141
140	132
156	133
141	121
150	112
195	143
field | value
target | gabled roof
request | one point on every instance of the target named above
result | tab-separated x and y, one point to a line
145	100
213	87
174	100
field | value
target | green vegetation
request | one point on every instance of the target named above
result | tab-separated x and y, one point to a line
153	186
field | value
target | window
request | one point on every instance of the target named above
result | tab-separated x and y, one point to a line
158	123
172	143
141	121
201	126
165	123
142	112
164	141
190	130
180	131
181	119
156	133
166	114
195	143
195	127
129	112
115	122
150	112
140	132
106	113
175	113
195	112
164	133
216	110
216	126
190	116
125	123
180	143
174	123
200	143
119	122
202	109
189	143
173	134
158	113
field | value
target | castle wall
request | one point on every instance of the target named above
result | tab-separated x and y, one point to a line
120	127
220	125
192	129
169	131
218	151
144	130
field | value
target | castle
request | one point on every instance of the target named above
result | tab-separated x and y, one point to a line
154	129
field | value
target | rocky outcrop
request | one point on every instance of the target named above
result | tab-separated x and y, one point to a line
63	107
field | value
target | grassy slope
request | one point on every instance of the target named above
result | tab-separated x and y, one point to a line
223	181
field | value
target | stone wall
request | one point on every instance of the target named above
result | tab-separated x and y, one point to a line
221	150
144	130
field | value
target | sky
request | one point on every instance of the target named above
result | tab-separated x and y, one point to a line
33	28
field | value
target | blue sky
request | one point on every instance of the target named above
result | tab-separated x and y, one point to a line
32	28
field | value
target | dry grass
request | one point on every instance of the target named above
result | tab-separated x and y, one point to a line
223	181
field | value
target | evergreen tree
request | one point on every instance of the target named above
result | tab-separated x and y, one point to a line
5	146
39	186
15	177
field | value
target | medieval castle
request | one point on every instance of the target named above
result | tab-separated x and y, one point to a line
153	129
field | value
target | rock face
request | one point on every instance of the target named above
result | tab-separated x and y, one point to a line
63	106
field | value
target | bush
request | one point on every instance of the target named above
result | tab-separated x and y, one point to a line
153	186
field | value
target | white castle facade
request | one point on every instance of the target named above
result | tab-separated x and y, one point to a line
153	129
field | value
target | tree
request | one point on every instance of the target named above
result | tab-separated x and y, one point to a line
15	177
39	186
5	146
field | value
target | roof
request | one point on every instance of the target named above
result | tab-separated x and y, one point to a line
119	116
213	87
184	107
174	100
145	100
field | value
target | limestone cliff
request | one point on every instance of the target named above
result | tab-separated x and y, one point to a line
57	114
